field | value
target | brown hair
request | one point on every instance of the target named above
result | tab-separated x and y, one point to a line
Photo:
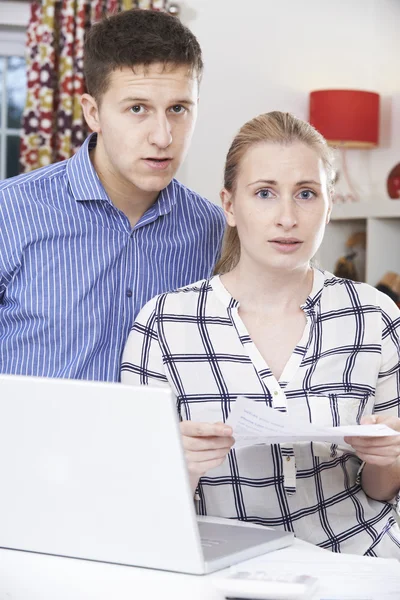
276	127
137	37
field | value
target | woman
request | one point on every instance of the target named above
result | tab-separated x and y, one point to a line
271	327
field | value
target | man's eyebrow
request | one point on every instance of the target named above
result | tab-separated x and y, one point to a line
148	101
185	101
134	100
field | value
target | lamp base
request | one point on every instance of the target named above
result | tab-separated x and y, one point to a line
344	189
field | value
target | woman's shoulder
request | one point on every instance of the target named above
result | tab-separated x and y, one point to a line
184	300
357	293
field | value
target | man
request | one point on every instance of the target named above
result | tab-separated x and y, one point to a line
86	242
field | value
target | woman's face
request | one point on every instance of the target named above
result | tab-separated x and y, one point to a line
281	205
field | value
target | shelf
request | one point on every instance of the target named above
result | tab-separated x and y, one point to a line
383	209
380	220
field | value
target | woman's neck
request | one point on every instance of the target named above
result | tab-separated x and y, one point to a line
269	291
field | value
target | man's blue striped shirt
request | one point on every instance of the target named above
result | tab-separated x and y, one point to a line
74	274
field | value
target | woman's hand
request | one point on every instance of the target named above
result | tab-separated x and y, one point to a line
206	446
379	451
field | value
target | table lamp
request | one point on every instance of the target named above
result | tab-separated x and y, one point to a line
346	119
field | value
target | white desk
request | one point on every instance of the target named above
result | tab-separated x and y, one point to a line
26	576
29	576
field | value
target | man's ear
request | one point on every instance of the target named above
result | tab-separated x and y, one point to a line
227	205
91	112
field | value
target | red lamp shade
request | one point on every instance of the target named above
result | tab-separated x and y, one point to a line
346	117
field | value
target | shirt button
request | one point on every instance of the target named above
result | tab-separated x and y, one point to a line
288	458
129	293
276	393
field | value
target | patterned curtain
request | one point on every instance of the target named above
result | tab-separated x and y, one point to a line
53	125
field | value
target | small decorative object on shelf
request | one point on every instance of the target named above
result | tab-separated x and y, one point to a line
173	8
390	285
393	183
345	266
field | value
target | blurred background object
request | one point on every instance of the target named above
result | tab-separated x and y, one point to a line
346	266
390	285
347	119
393	183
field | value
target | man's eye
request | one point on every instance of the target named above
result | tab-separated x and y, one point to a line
178	109
137	109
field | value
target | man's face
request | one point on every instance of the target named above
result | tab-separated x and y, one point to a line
145	122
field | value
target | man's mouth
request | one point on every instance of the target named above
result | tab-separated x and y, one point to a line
158	163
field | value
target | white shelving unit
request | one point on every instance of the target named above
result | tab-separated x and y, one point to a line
381	222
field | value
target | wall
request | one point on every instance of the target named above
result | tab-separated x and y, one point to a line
264	55
15	13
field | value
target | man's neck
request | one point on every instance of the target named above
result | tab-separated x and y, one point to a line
130	200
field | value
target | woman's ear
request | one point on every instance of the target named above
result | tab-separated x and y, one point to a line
227	205
328	214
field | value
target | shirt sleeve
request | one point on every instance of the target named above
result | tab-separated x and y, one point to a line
142	362
9	244
387	395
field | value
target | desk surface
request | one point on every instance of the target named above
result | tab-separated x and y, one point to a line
30	576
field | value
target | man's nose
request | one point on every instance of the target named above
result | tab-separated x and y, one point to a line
160	133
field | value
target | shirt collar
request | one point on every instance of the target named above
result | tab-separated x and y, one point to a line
316	291
86	185
308	306
82	177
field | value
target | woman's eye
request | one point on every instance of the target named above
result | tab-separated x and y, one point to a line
178	109
264	194
306	195
137	109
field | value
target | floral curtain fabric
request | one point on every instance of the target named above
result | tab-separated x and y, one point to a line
53	125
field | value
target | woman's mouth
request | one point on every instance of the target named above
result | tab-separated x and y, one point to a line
286	245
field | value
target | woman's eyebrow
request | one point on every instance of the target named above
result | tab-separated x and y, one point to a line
308	182
264	181
273	182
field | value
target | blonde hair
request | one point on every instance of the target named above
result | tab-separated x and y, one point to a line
275	127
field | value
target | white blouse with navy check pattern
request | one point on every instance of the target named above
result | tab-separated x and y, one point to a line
347	364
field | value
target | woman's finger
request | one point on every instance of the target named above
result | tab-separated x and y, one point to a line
206	455
202	468
206	443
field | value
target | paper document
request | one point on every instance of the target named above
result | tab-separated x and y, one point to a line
255	423
340	576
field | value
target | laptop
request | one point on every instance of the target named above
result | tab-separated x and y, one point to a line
97	471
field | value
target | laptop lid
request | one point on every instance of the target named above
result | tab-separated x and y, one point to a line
75	460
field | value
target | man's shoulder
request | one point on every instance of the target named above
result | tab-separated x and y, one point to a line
30	183
198	203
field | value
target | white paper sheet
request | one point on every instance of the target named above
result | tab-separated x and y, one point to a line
341	576
255	423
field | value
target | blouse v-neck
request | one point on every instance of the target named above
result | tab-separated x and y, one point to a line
258	361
